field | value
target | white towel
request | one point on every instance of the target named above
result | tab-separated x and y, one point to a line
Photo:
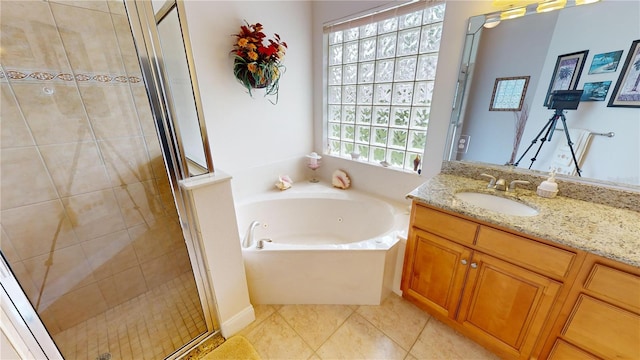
562	160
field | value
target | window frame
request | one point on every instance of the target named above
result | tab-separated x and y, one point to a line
356	134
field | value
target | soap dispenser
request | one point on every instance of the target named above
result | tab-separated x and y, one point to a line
549	187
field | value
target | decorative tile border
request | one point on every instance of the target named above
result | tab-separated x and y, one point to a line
26	75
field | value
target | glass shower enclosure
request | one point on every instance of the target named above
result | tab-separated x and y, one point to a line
90	225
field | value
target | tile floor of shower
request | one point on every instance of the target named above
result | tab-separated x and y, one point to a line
150	326
158	322
396	329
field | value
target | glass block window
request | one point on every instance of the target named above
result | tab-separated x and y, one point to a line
380	79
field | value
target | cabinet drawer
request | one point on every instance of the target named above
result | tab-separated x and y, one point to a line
445	225
565	351
529	253
614	284
603	329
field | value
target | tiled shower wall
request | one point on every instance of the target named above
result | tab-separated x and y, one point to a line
88	218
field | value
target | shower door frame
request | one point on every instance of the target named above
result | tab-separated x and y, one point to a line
145	35
20	321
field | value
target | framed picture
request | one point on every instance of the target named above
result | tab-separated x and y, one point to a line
626	93
605	62
508	93
595	91
566	73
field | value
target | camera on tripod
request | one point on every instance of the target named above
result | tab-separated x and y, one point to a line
559	100
564	99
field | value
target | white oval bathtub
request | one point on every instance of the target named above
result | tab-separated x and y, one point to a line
328	246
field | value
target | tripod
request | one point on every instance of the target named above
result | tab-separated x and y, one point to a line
550	128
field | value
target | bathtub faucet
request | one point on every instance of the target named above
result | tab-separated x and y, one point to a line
261	242
248	237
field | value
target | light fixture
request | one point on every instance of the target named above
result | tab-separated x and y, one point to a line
491	21
551	5
585	2
513	13
501	4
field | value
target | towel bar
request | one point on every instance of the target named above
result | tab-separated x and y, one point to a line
609	134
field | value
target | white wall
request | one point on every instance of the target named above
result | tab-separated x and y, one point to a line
212	203
503	53
373	178
255	141
613	159
248	133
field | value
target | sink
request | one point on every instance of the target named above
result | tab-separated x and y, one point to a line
496	203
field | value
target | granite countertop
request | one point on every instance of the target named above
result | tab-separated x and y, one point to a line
604	230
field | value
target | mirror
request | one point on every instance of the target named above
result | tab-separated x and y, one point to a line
176	76
530	46
179	89
181	86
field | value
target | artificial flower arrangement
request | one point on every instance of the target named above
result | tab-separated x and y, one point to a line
258	65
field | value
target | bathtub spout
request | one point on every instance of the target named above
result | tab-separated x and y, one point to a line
261	242
248	237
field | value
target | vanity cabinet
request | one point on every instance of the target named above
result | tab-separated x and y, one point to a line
496	287
601	317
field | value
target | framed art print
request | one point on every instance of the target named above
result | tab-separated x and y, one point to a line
605	62
566	73
626	93
595	91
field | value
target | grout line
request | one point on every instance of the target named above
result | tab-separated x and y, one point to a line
420	334
331	334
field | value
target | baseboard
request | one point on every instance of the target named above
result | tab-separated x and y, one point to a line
238	322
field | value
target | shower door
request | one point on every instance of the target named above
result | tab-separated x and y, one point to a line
89	221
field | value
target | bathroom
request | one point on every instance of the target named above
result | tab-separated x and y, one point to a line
254	141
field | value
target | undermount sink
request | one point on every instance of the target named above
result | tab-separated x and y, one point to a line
496	203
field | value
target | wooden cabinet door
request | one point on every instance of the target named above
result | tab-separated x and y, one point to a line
506	302
435	274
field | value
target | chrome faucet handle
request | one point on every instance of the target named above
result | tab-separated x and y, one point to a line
492	181
512	185
261	242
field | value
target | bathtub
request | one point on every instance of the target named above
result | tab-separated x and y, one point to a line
328	246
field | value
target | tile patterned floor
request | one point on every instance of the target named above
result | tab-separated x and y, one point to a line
151	326
396	329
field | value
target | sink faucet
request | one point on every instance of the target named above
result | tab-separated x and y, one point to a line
512	185
248	237
492	181
501	185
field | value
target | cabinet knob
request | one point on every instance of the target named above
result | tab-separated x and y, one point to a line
463	262
474	265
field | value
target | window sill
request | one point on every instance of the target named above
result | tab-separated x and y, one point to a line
371	164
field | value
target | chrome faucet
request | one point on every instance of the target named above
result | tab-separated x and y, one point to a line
512	185
248	237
